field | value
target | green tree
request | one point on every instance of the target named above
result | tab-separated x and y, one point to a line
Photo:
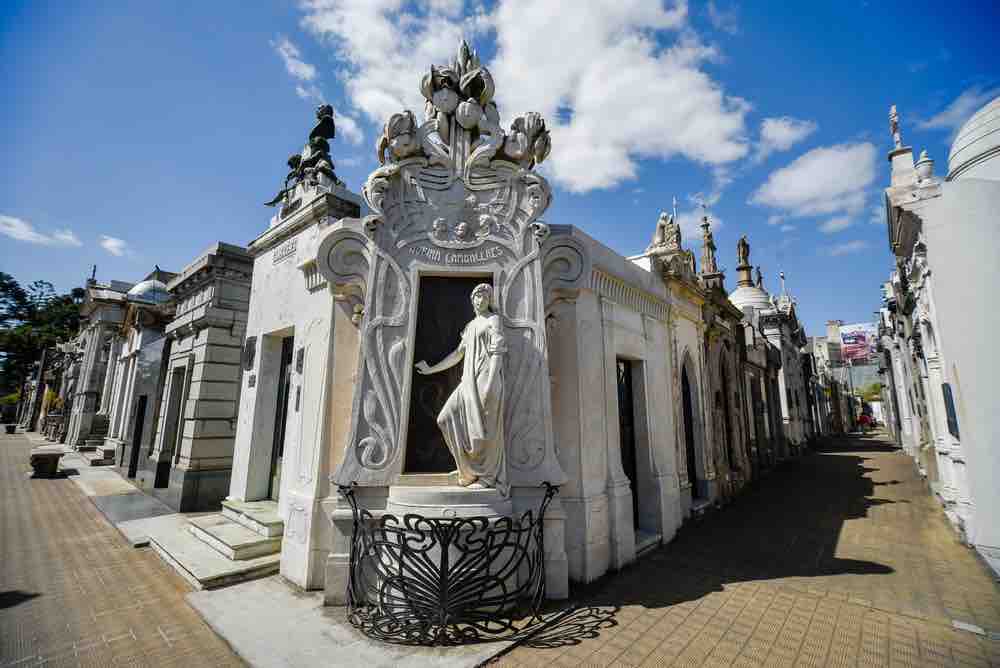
32	319
872	392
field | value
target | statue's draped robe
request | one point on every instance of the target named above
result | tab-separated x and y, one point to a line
472	418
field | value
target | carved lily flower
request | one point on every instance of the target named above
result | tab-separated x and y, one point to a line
468	114
398	137
478	85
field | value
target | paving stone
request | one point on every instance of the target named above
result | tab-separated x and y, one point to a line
88	598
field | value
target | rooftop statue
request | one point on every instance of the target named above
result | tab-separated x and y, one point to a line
667	237
742	252
313	166
894	127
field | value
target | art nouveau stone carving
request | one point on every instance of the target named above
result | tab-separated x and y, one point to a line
455	195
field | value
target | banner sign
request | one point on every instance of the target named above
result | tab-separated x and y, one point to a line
858	341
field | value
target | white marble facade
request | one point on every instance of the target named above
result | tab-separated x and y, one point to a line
940	351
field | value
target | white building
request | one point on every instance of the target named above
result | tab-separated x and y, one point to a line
943	234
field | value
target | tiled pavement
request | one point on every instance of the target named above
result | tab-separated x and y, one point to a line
73	592
840	559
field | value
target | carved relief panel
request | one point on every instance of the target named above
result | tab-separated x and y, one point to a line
456	196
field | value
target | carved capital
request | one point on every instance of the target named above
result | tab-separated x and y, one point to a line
566	267
344	260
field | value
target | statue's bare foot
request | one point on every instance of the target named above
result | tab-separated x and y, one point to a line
476	485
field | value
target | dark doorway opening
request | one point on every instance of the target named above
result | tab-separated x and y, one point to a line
174	432
689	447
281	416
140	419
727	417
626	431
443	310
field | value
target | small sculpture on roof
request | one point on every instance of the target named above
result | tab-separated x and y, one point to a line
742	252
313	165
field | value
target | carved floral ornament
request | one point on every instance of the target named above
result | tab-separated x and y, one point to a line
455	193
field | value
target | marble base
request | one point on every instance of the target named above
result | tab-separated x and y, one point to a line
448	501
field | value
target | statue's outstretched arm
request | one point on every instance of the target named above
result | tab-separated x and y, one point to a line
453	358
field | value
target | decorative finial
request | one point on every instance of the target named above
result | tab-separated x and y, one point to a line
894	127
675	208
708	263
781	275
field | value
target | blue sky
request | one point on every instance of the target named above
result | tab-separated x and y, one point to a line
140	133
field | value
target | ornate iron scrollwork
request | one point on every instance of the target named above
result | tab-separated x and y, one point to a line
445	581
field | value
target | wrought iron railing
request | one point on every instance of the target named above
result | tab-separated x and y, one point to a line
445	581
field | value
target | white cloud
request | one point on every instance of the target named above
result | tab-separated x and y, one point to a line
787	228
22	230
114	245
309	92
292	57
877	214
849	248
780	134
307	87
775	220
835	225
726	20
610	92
825	180
961	108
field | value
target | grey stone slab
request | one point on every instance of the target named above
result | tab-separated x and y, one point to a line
137	531
269	624
132	506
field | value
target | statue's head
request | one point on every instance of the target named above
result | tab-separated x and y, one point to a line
482	297
324	110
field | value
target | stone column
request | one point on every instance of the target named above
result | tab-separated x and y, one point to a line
578	419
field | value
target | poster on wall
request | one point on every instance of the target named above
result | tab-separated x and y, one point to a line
858	341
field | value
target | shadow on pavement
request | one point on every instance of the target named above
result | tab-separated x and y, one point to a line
788	526
14	597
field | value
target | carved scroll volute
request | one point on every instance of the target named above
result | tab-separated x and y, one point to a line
566	267
344	259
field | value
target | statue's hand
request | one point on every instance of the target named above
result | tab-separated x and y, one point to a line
423	368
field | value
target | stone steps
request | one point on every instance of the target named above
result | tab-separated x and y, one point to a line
261	517
98	457
231	539
202	565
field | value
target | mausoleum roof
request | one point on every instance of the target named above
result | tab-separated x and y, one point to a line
750	296
978	139
148	292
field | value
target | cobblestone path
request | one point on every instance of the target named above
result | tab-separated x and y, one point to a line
840	559
74	593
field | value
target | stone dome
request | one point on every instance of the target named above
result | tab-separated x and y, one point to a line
148	292
976	142
750	295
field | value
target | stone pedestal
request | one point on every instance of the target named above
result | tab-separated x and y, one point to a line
448	502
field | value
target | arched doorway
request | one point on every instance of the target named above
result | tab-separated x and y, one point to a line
690	449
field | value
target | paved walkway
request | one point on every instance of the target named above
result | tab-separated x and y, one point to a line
73	592
840	559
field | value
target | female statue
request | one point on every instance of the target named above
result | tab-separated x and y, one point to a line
472	418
